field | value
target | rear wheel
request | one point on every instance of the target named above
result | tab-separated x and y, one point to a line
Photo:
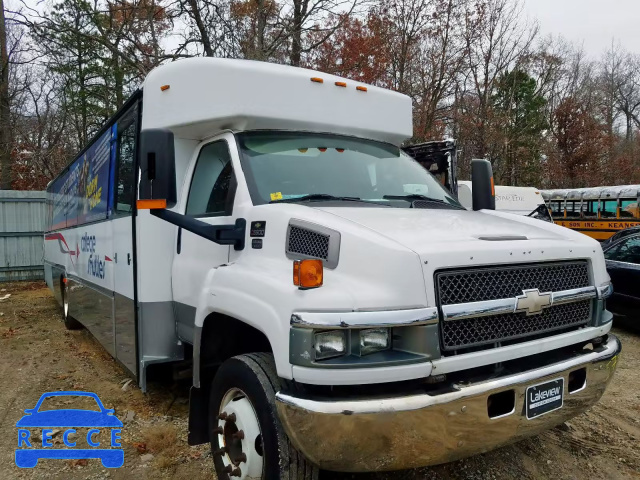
247	439
69	322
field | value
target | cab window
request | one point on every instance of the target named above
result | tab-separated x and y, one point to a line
126	153
213	183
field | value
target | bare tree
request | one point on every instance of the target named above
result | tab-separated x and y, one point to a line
5	129
441	60
627	92
498	38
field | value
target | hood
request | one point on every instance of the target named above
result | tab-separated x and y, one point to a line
414	228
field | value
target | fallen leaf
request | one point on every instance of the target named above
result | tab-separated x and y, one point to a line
8	333
140	447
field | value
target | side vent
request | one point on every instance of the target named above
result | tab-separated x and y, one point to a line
308	240
308	243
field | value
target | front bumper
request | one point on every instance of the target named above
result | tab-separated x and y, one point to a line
394	433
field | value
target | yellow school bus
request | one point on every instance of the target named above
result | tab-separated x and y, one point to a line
598	212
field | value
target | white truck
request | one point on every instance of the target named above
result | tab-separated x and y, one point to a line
516	200
339	309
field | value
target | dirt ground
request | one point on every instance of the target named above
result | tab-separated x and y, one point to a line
38	355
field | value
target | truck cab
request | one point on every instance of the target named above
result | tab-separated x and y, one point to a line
339	307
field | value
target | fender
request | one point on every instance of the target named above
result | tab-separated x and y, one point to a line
247	308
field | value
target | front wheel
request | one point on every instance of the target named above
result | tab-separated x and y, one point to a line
247	438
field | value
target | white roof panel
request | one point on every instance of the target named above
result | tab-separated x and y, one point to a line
206	95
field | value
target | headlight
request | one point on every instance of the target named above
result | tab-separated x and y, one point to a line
330	344
374	340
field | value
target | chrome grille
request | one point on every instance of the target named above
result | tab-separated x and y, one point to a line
500	282
308	243
476	285
474	332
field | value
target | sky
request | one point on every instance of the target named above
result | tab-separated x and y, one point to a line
591	23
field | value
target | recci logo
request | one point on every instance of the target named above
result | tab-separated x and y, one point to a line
98	421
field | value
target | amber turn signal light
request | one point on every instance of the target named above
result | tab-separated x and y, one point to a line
151	204
307	273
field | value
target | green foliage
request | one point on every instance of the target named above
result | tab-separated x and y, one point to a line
520	111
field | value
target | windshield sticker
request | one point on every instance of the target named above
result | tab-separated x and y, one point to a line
415	189
276	196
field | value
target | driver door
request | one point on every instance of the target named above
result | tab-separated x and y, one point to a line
209	199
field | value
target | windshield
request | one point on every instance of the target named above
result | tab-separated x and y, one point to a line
286	166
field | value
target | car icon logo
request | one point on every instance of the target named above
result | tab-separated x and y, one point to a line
69	419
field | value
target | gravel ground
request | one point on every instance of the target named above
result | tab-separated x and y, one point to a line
38	355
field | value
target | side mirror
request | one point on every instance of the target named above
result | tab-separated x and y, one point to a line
483	191
157	169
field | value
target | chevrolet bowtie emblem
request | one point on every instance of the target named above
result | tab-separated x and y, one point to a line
532	301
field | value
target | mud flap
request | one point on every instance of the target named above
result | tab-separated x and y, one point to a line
198	416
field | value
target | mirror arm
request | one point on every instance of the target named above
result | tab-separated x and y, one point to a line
220	234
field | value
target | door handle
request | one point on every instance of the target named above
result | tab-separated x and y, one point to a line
115	257
128	259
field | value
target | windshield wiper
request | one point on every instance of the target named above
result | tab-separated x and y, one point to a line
412	197
317	197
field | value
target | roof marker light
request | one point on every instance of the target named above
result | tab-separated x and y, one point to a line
341	84
322	149
165	87
317	80
361	89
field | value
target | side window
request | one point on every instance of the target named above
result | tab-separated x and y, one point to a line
213	183
573	209
629	208
609	208
627	251
590	208
124	186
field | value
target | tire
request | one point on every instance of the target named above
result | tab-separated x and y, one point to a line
70	323
246	385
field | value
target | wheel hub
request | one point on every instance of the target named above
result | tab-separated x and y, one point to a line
239	437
